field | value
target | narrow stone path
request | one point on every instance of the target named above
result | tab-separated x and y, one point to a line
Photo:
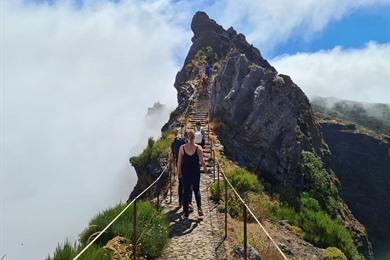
199	237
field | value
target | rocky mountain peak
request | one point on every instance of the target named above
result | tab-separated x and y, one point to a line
207	33
201	22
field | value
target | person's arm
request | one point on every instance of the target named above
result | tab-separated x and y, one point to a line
179	161
201	159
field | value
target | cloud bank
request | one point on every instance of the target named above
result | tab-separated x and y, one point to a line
76	87
268	23
352	74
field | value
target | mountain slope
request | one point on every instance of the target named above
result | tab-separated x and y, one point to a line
264	120
374	116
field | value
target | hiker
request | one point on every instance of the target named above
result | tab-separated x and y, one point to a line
207	69
175	147
203	83
199	135
190	155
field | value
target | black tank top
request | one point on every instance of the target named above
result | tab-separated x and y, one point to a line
190	165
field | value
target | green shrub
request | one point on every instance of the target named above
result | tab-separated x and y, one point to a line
244	181
152	227
154	150
308	202
320	183
333	253
297	231
67	251
202	55
298	133
317	227
322	231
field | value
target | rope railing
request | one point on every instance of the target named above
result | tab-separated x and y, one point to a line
134	201
245	208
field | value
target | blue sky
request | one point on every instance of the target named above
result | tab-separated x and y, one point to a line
352	31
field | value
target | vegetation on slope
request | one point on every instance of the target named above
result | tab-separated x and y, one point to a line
309	220
373	116
151	233
154	150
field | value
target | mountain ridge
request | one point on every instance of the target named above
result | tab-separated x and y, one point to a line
263	119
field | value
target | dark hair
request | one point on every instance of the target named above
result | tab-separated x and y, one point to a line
197	123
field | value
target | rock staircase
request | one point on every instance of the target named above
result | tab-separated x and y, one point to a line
200	237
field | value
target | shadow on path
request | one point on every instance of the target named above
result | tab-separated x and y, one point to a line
178	226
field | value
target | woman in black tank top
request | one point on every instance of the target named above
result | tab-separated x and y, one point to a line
190	155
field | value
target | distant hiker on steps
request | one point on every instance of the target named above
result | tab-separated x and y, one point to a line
203	84
199	135
190	155
175	147
207	69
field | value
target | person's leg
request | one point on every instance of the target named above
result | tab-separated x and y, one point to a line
190	198
186	195
180	192
195	186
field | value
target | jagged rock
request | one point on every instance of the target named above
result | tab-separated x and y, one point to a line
119	247
156	108
252	253
260	114
362	164
184	94
285	249
146	175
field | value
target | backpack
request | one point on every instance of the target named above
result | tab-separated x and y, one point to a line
175	146
198	136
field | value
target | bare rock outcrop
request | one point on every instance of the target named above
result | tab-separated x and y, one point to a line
266	119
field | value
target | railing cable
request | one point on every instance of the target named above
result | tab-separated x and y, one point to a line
120	214
250	211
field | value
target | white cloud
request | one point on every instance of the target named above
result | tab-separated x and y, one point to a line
270	22
354	74
76	84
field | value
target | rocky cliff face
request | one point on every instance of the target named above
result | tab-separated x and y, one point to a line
265	119
362	165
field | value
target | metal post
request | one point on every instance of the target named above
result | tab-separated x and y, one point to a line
218	181
135	231
158	199
213	168
245	234
226	206
170	182
208	126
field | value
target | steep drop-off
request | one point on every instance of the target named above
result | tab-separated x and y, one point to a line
362	164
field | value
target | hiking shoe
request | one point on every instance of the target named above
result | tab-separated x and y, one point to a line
200	212
185	217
